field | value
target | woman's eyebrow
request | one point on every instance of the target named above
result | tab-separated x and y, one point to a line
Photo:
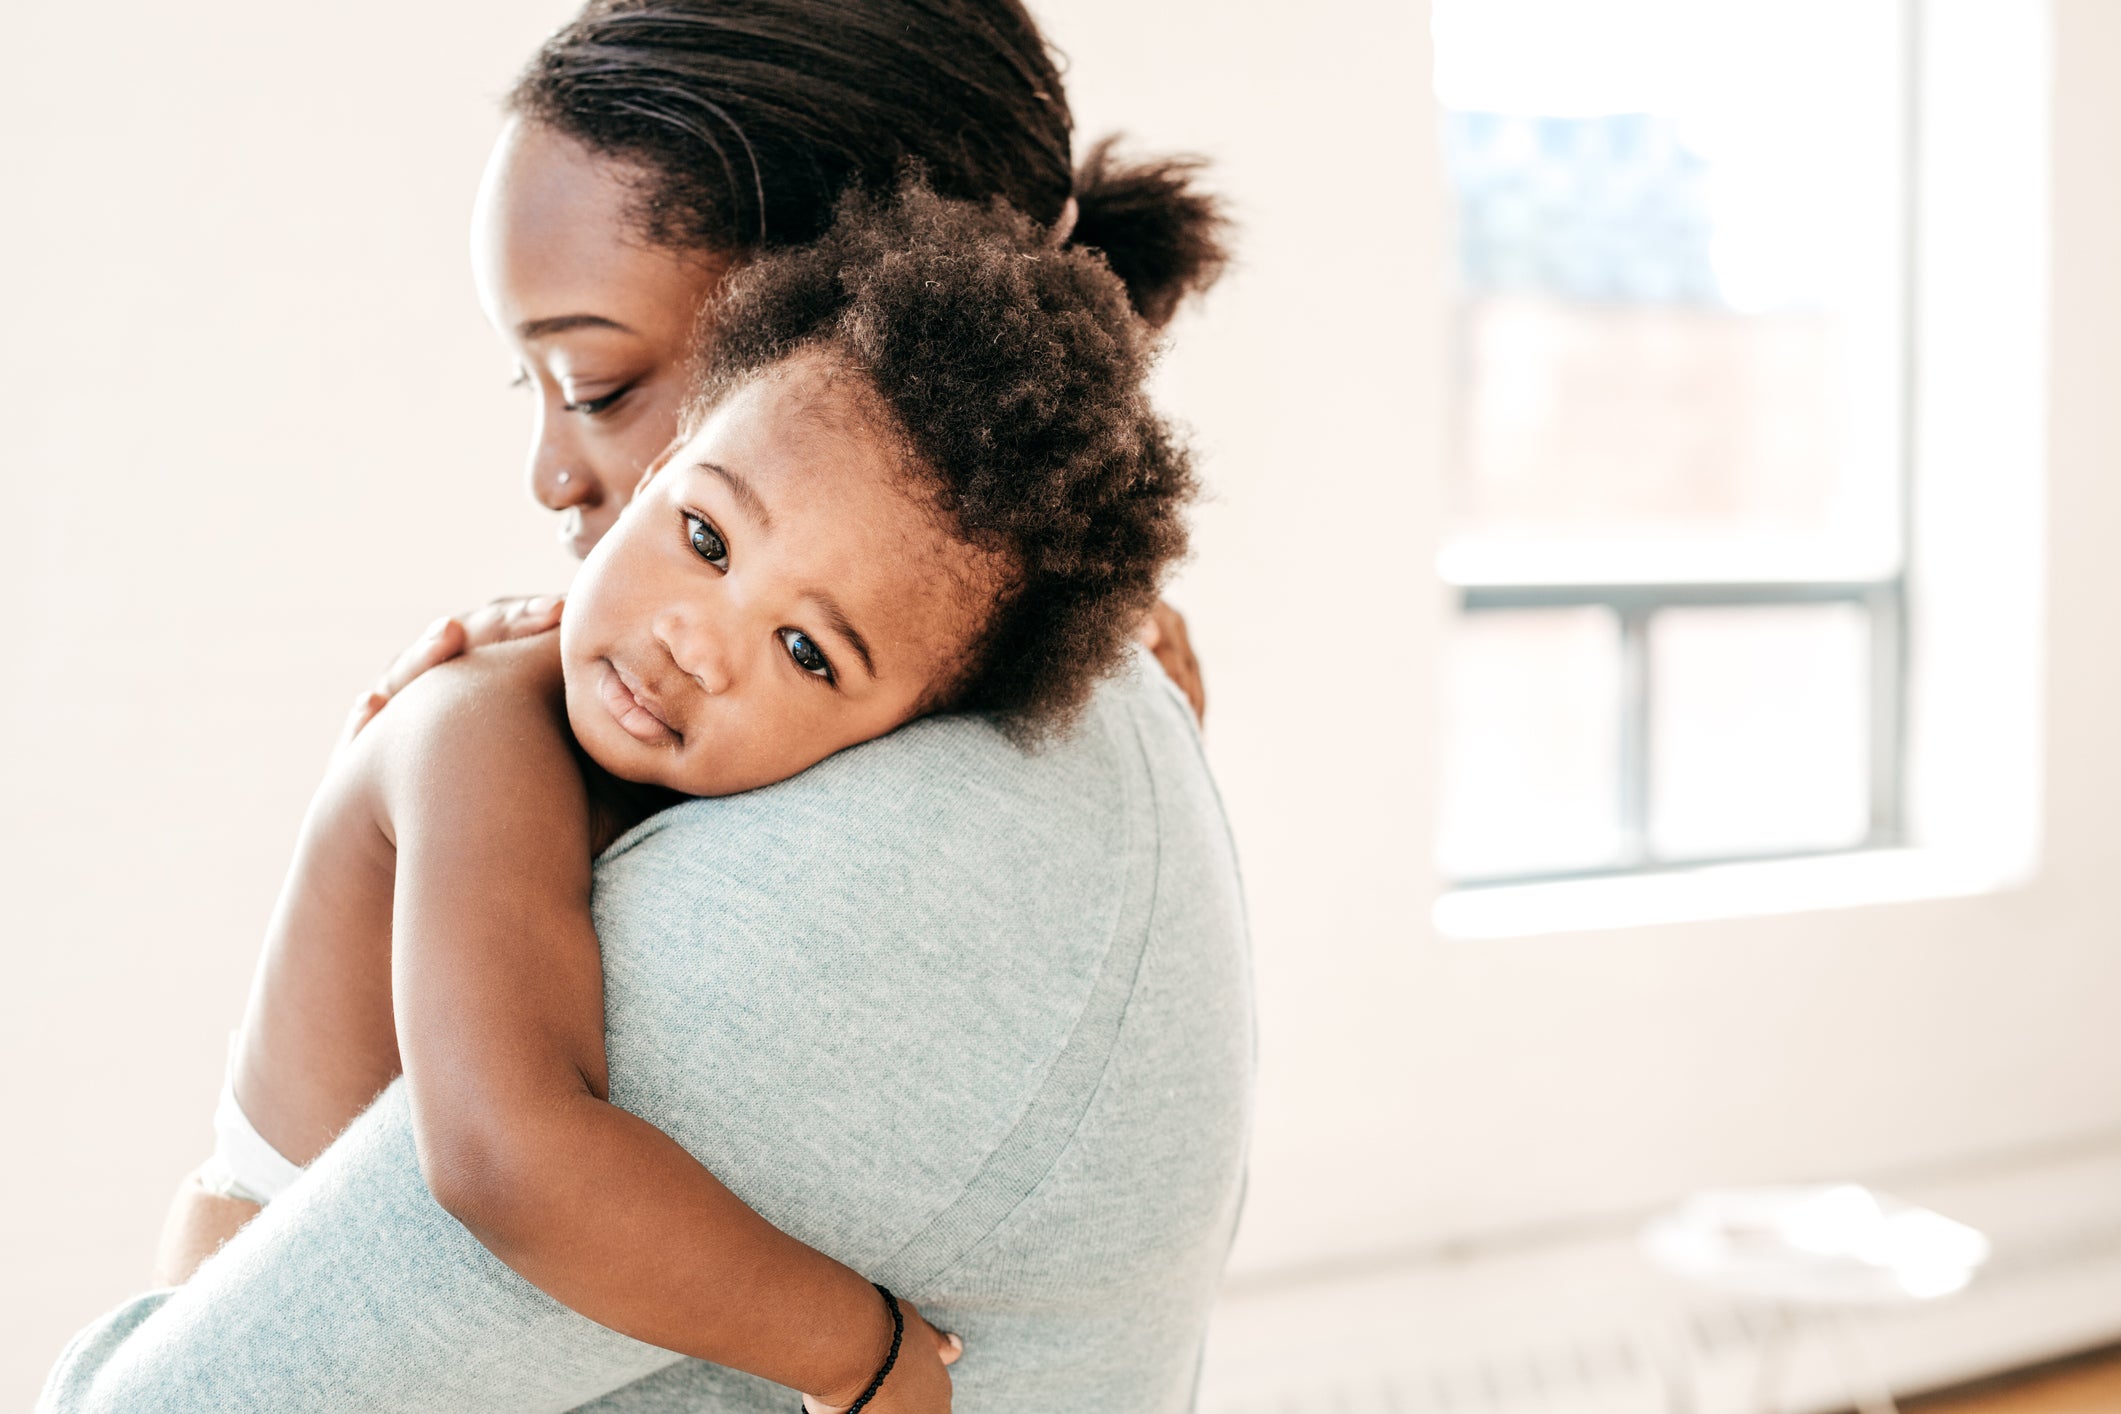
562	323
745	495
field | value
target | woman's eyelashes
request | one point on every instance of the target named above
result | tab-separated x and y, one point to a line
586	407
807	655
597	407
705	540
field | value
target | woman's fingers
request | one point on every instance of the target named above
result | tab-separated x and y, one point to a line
364	712
1164	634
447	638
949	1347
199	1221
505	619
443	640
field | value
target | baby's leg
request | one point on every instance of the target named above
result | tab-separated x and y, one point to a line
318	1041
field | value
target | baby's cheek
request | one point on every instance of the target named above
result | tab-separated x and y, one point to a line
776	747
716	761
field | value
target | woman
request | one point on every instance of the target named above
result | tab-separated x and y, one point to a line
652	147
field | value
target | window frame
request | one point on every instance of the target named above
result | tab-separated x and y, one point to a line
1885	600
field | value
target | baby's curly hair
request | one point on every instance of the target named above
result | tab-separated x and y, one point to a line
1011	372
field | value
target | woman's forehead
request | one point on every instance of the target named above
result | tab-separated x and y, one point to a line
553	236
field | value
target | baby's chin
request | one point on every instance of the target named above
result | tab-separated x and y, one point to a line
606	743
699	765
692	771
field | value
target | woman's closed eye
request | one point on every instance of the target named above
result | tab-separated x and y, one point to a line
587	407
807	655
706	541
597	407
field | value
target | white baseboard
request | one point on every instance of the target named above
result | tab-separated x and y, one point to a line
1582	1325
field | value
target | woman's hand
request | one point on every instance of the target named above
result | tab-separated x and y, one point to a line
1164	634
199	1222
919	1383
448	638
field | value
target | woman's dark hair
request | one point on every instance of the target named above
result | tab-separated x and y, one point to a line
1010	372
747	118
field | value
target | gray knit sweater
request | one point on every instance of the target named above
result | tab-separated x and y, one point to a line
976	1022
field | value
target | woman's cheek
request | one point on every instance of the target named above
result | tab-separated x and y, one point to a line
643	443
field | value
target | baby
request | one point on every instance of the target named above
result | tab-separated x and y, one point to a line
920	474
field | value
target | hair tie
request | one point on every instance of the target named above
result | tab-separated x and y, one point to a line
1064	224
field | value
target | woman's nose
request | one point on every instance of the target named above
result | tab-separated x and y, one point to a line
699	647
558	479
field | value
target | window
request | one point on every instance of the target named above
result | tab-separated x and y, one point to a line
1678	511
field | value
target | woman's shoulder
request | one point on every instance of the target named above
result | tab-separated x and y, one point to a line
885	994
949	791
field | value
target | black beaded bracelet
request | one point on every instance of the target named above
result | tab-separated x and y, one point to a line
898	1333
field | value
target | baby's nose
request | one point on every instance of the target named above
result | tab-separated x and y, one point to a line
699	650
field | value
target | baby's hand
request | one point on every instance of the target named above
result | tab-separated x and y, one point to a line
498	622
920	1382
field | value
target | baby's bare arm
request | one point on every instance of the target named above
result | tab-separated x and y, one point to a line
499	1003
319	1041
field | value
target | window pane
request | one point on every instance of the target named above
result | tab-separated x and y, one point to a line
1758	730
1679	333
1531	743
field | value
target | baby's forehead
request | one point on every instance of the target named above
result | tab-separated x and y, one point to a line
811	425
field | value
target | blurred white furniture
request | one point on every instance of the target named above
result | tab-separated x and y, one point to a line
1811	1256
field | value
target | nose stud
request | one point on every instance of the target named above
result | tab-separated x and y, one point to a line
564	477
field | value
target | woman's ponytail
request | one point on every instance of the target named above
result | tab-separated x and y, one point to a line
1161	234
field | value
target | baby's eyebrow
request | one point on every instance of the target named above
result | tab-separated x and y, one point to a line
837	618
745	495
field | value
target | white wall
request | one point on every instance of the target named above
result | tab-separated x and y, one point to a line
258	436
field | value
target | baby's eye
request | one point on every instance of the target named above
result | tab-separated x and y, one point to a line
806	653
705	543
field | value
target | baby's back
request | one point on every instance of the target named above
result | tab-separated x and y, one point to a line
975	1022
